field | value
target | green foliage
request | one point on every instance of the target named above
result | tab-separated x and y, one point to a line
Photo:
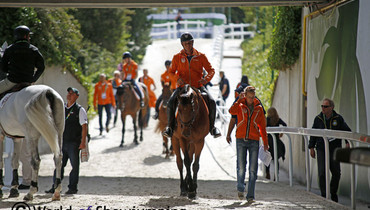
255	66
107	28
140	28
254	63
286	40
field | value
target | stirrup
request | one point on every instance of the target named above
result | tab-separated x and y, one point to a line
215	132
168	132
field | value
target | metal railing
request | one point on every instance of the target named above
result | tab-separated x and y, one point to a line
237	31
351	137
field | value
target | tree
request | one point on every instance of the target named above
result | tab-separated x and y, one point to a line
140	28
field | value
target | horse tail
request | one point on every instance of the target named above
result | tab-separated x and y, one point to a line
46	113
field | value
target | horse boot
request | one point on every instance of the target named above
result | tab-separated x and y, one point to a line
171	114
212	117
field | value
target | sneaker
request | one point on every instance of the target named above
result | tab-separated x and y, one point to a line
50	191
101	132
250	200
70	192
268	175
107	129
334	198
241	195
23	187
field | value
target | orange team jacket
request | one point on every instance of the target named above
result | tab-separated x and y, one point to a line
251	125
129	70
103	94
193	72
166	77
148	81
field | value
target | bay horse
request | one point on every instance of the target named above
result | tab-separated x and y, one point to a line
129	104
192	127
30	113
162	117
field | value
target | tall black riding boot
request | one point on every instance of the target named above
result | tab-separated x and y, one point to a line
212	116
157	107
171	108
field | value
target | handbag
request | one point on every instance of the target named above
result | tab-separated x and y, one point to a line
85	155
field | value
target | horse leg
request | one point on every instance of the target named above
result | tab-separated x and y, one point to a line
197	152
1	164
135	129
15	165
179	161
142	125
58	156
165	147
35	163
123	118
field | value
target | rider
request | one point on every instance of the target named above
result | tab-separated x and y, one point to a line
20	60
166	77
129	72
187	67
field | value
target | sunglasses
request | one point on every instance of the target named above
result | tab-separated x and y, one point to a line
324	106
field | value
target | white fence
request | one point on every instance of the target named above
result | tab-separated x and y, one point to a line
305	132
199	29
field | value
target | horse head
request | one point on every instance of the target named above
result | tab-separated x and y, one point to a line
188	108
123	94
166	93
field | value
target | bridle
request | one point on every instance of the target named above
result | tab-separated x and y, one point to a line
189	123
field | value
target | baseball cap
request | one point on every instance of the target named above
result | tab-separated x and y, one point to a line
74	90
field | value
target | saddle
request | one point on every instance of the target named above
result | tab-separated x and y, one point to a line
16	88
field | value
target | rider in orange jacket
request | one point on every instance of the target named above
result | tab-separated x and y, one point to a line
129	73
187	67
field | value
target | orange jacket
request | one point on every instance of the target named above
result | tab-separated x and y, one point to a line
167	77
250	125
103	94
148	81
129	71
193	72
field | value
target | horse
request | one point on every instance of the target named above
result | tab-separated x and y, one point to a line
192	127
162	117
30	113
129	104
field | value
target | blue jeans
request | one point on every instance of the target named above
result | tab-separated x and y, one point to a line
100	111
242	147
70	151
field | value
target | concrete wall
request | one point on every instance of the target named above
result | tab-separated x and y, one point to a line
60	81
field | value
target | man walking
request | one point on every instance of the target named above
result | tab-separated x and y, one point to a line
104	98
74	139
328	119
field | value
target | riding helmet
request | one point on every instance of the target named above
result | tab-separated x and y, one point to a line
21	31
186	37
126	55
167	63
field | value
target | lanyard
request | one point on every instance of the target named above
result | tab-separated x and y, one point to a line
69	113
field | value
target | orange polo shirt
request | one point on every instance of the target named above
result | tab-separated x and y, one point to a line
148	81
103	94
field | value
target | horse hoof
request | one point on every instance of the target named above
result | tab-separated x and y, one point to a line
141	139
167	156
121	145
28	197
183	194
192	195
136	142
13	193
56	197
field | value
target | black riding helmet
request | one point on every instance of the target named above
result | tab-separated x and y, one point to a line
167	63
21	31
126	55
186	37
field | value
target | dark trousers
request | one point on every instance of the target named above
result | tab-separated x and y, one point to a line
115	114
107	108
334	169
71	152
